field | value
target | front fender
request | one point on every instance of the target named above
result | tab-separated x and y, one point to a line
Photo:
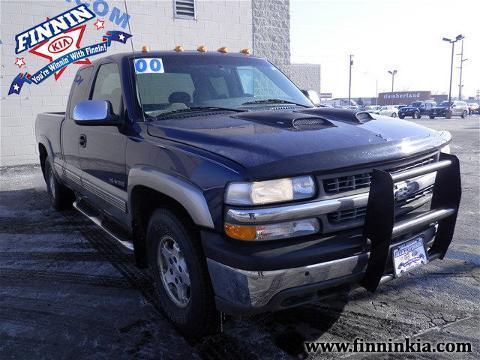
187	194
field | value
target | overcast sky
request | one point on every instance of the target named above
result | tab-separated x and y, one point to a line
387	34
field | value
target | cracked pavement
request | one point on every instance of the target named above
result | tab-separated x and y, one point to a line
67	290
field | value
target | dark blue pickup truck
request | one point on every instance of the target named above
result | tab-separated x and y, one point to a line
235	191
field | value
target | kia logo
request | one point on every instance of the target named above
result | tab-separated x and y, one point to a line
60	44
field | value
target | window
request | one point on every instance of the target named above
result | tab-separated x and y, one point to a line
257	84
184	9
108	87
80	88
165	89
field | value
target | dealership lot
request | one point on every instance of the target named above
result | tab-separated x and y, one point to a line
67	290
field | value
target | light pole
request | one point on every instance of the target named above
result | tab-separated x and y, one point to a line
460	84
458	38
393	73
350	80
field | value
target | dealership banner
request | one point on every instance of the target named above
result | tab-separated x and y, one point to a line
58	39
402	97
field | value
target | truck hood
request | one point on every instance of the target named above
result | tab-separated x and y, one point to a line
278	143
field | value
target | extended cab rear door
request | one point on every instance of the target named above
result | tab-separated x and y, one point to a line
102	151
70	131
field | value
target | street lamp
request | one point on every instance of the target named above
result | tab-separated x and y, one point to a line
393	73
458	38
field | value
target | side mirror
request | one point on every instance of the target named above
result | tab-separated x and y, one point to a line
313	96
95	113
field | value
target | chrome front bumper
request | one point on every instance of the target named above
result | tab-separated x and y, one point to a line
254	291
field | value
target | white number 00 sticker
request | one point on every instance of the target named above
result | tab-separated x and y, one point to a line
148	65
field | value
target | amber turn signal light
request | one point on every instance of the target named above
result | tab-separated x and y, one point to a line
245	51
202	48
178	48
241	232
223	50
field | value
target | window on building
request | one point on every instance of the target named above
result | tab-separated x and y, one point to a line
108	86
184	9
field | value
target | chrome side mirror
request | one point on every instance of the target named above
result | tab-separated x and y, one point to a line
95	113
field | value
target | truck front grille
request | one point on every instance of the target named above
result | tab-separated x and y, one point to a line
359	213
340	184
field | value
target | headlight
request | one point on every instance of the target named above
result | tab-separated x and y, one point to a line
277	231
271	191
445	149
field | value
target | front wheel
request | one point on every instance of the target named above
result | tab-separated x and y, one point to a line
432	116
464	114
180	275
394	115
416	115
401	116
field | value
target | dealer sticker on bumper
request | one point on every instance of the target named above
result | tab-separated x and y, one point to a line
408	256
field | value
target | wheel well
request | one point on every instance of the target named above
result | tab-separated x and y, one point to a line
143	202
42	150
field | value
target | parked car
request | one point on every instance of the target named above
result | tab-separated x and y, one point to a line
416	109
473	108
390	110
457	108
238	199
372	109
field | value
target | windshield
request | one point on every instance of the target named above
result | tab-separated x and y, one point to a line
444	103
416	104
196	82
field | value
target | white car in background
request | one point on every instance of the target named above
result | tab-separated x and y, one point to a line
389	110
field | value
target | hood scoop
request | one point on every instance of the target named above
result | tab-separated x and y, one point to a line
288	120
339	114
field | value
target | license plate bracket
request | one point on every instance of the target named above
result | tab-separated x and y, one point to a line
408	256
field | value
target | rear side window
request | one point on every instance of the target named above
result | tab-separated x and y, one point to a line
80	88
108	86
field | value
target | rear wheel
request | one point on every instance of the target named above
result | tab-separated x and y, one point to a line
416	115
394	115
181	279
448	114
432	116
464	114
61	197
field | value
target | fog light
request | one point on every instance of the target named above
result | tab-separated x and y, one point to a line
282	230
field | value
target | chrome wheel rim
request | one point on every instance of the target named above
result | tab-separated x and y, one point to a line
51	184
173	271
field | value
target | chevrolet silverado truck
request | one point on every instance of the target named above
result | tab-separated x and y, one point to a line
219	175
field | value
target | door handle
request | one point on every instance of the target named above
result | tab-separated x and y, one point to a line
83	140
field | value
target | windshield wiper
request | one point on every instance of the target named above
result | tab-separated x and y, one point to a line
273	101
199	109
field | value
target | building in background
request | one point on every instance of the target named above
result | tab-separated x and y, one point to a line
261	25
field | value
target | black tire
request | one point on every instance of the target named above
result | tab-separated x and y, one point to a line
464	114
448	114
431	116
401	116
416	115
198	316
61	197
394	115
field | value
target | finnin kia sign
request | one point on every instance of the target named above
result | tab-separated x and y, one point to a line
402	97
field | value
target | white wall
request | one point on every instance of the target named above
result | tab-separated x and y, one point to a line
219	23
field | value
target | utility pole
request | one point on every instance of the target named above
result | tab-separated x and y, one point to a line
458	38
350	80
460	84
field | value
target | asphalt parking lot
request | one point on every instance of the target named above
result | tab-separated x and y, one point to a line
68	291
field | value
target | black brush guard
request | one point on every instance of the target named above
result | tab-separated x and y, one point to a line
380	226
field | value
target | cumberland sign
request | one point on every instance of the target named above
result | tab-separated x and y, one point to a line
402	97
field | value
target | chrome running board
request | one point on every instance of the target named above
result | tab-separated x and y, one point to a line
98	221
